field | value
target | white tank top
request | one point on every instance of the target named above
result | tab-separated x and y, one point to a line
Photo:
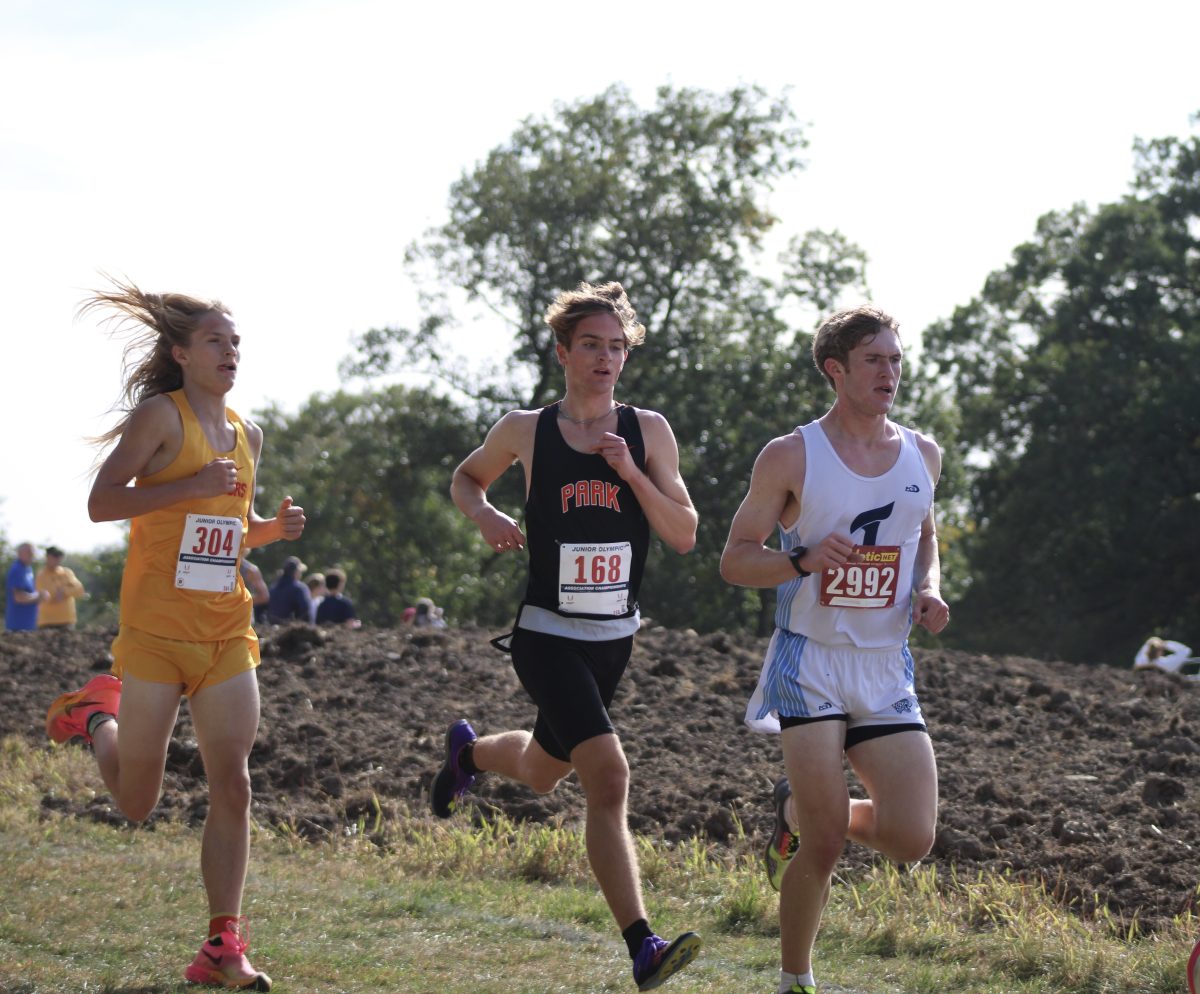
882	510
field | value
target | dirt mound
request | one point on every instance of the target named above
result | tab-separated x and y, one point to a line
1081	776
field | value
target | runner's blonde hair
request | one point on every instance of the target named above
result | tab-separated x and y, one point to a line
154	324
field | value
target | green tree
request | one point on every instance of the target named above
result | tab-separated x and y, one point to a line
672	202
100	572
1074	375
372	472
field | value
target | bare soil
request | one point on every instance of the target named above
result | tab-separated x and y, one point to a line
1080	776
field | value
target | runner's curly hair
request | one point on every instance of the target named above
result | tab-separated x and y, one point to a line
572	306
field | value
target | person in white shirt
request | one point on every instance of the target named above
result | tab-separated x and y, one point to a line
851	495
1163	654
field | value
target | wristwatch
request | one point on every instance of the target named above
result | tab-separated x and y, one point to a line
795	556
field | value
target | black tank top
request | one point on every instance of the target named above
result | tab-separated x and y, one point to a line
588	536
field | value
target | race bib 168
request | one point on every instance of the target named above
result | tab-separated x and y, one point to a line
594	578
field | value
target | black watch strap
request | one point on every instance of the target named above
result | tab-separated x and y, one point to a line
795	556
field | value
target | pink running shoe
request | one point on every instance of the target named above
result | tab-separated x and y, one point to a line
222	962
68	715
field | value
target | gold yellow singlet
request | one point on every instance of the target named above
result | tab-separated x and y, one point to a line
182	579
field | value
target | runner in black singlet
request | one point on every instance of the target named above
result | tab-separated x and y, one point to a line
599	476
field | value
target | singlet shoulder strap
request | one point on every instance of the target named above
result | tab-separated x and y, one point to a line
182	404
630	429
546	431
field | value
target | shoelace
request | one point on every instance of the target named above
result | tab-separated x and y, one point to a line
236	937
656	955
792	845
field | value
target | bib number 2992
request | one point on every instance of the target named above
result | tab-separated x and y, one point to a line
870	583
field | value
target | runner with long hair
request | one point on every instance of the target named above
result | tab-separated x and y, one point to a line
182	470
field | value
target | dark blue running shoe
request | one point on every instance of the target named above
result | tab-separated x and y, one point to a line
658	959
451	782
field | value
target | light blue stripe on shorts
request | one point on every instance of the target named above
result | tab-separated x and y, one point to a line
780	686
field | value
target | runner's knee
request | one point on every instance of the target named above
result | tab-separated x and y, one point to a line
136	805
542	781
607	787
539	770
908	845
230	791
823	849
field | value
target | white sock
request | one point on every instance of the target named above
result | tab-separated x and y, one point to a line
789	980
96	719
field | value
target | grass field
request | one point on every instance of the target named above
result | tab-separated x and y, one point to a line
427	907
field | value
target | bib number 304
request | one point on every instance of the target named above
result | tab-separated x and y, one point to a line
870	583
208	553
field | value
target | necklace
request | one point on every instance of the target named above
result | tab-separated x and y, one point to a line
585	421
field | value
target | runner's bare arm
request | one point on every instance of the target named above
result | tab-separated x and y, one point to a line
259	591
289	520
929	610
774	496
746	562
660	490
510	440
152	430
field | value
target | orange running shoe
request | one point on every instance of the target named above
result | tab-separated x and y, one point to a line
222	962
68	715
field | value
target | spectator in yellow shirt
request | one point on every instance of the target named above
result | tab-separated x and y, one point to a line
62	588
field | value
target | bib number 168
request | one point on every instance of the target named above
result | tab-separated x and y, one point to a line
602	569
594	578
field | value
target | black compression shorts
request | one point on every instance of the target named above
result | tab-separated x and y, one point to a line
572	683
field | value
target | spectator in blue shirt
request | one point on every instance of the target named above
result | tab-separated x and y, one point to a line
21	595
290	599
336	608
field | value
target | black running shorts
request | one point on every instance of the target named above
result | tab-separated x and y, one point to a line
572	683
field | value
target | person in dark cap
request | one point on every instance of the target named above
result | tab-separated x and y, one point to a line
290	599
62	588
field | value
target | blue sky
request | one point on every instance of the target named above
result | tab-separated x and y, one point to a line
281	156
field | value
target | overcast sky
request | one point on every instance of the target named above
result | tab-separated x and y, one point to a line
281	156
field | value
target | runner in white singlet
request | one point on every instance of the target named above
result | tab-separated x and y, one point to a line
852	497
